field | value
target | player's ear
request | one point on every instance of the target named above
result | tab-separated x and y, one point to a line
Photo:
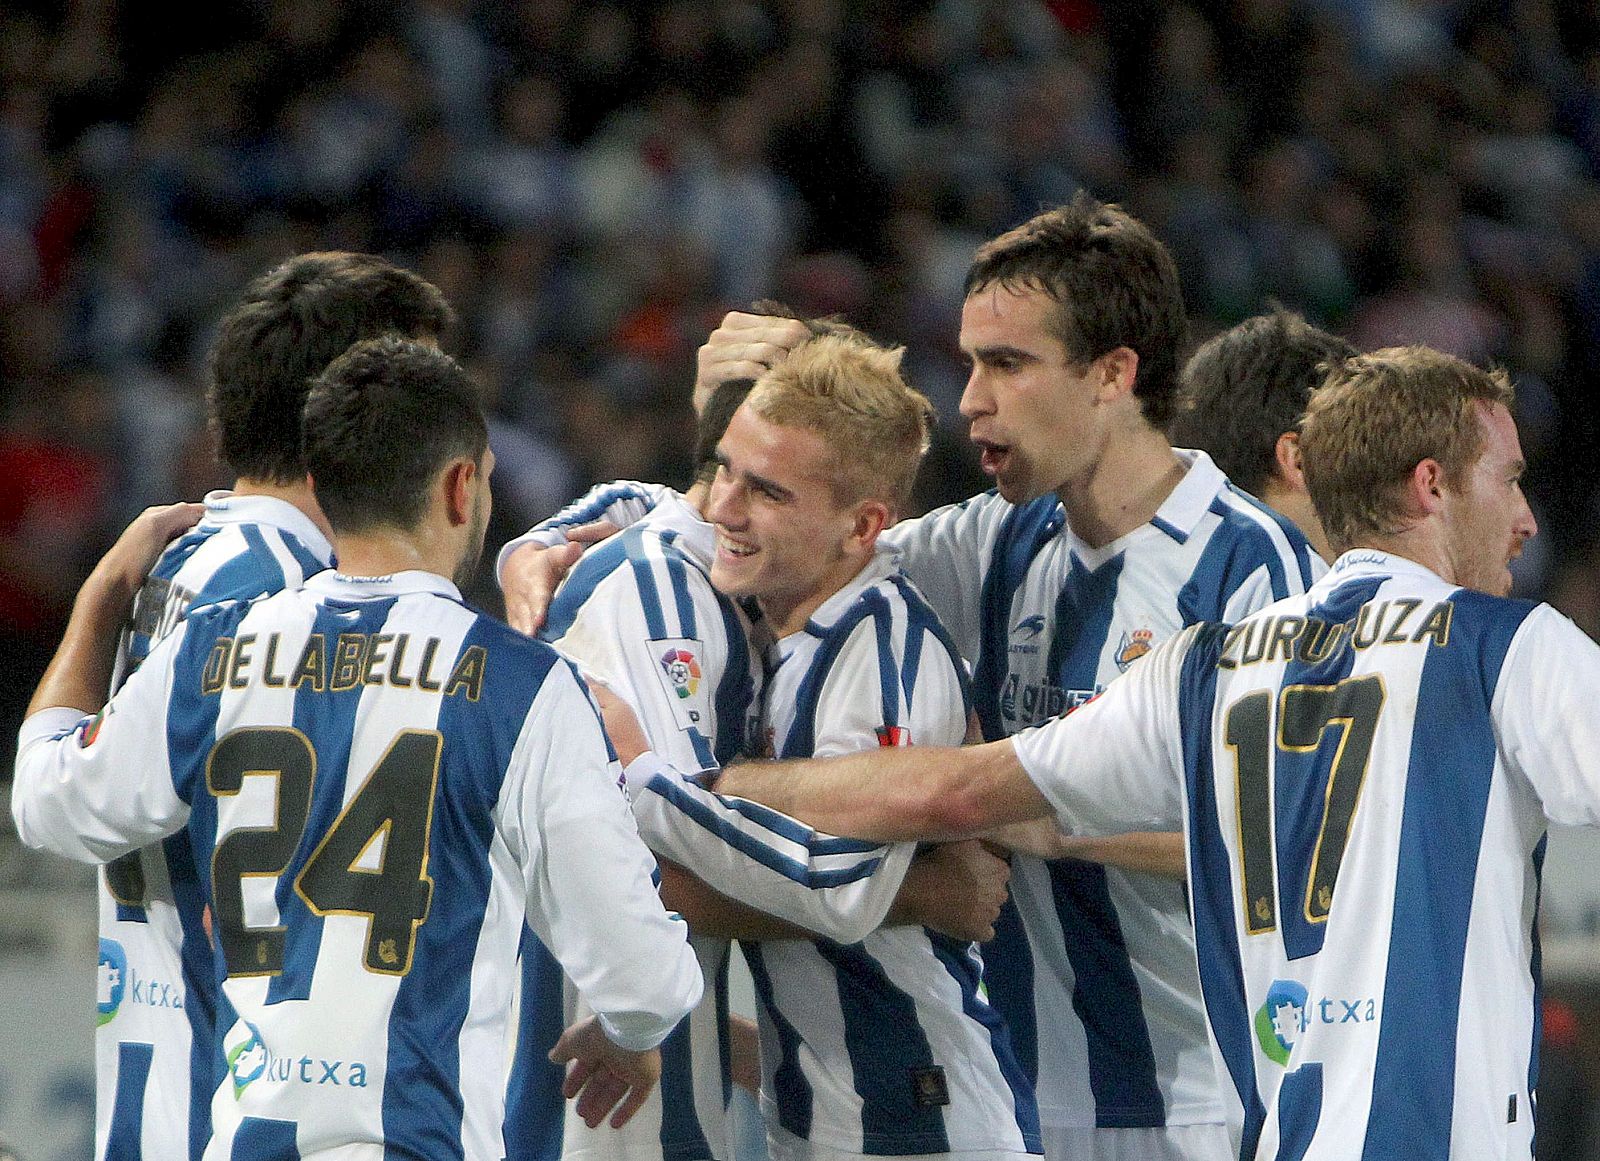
871	518
1286	461
456	482
1116	371
1425	488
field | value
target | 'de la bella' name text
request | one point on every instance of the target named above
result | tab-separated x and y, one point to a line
1311	642
347	661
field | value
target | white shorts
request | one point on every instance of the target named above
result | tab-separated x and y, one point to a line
1173	1143
783	1145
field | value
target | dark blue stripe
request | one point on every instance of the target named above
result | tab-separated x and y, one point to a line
790	1089
1170	529
422	1104
922	621
252	573
1238	547
206	1063
887	1047
177	554
260	1139
594	566
1211	883
1023	534
328	719
1299	1111
1300	779
965	967
678	574
1451	768
310	563
1008	959
649	593
682	1138
736	689
125	1141
1082	624
596	508
888	671
535	1108
1298	543
1536	964
754	848
1106	998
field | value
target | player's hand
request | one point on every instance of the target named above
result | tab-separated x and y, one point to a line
603	1076
744	346
957	889
622	725
124	566
529	580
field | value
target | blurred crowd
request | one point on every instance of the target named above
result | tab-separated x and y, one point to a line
593	184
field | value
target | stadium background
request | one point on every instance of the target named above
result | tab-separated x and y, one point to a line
593	184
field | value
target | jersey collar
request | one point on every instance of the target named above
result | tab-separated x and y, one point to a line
1360	562
333	583
692	534
885	561
1183	509
224	507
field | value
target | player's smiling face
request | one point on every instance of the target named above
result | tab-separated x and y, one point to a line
1488	518
781	534
1032	407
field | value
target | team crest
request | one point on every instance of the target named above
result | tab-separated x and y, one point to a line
1132	647
683	672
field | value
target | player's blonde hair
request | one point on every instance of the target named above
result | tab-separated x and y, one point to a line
1379	416
850	391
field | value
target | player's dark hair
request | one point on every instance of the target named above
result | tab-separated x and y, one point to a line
380	423
1247	386
714	419
1114	283
291	323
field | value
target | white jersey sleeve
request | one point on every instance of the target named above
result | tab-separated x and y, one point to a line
623	502
944	554
1104	767
77	795
1550	674
591	900
839	888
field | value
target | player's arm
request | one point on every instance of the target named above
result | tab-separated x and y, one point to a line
92	788
589	879
1152	852
532	566
1550	674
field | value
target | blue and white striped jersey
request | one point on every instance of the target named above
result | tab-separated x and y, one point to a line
153	1040
884	1046
1093	966
639	612
1364	774
380	786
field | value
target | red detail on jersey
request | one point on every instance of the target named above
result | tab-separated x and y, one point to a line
893	736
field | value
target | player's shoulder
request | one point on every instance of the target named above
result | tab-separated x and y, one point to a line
1244	520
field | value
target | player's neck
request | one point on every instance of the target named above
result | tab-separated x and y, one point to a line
1123	488
697	496
1417	544
788	615
297	495
1296	506
386	551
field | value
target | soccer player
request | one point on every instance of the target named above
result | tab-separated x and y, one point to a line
1242	397
885	1046
379	784
1100	541
1364	775
153	1042
640	614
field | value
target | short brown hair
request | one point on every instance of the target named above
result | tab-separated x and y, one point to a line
850	391
1376	419
1114	282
